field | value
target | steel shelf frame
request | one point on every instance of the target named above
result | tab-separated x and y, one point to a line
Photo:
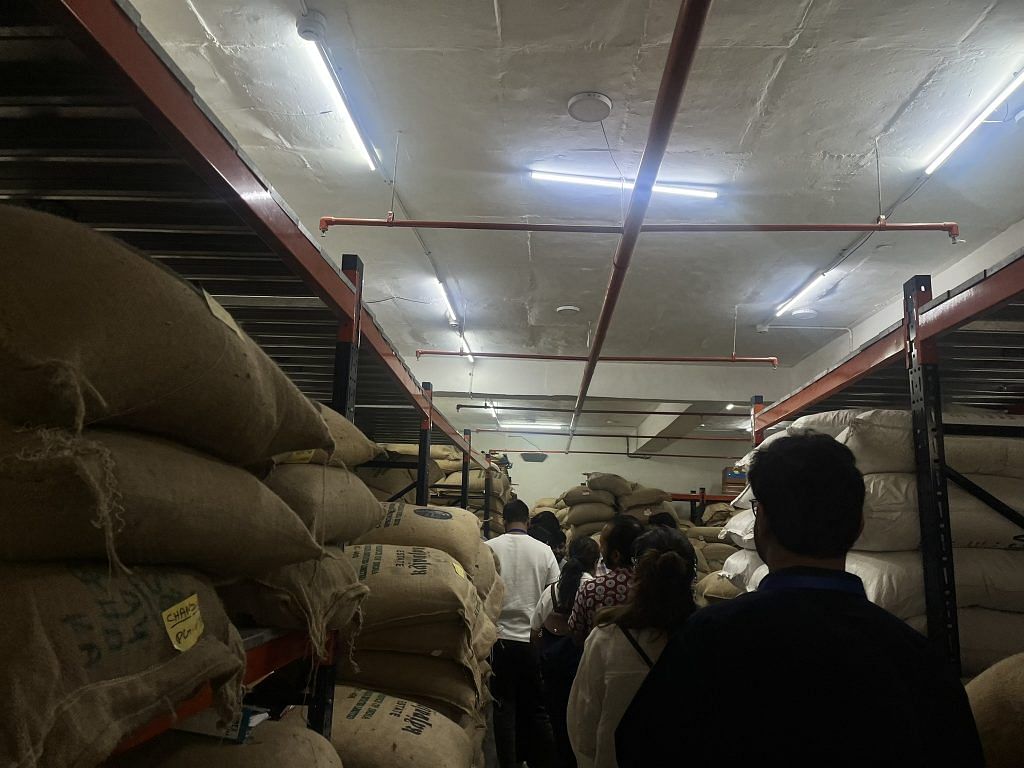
934	329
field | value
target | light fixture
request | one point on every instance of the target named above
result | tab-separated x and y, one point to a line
807	289
960	137
494	412
567	309
805	313
730	406
589	107
533	426
453	319
312	28
598	181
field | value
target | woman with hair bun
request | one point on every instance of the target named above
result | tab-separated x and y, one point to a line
628	640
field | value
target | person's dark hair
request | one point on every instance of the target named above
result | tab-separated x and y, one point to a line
662	594
546	520
619	541
664	519
583	557
811	492
540	533
516	511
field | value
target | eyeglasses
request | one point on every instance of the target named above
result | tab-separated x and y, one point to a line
754	504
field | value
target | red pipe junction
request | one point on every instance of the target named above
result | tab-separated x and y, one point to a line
772	361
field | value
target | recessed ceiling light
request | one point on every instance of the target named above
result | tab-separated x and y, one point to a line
804	314
730	406
567	309
590	107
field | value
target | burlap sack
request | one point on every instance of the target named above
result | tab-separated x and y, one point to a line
581	494
456	684
714	588
92	332
421	601
997	700
589	529
331	501
437	452
90	655
449	529
717	514
449	466
485	571
286	743
717	553
500	483
582	514
642	497
547	502
140	500
707	533
643	512
373	730
385	483
614	484
351	446
495	600
316	596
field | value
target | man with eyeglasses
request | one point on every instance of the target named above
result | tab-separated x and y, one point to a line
825	677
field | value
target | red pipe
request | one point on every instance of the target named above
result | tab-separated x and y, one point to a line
949	227
606	412
685	38
603	434
616	453
773	361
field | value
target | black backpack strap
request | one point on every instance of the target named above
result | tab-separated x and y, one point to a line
636	645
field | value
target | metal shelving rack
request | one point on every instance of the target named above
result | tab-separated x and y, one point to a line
964	347
97	127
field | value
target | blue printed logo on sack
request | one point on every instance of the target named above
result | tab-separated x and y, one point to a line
433	514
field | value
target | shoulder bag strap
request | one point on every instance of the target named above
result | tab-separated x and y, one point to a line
636	645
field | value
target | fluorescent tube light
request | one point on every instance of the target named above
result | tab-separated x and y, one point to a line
801	294
730	406
469	352
597	181
329	78
533	426
959	138
452	317
494	413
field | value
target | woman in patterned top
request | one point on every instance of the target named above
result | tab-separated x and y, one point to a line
612	588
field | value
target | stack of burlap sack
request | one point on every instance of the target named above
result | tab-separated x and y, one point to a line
131	405
501	494
387	482
428	625
587	508
988	561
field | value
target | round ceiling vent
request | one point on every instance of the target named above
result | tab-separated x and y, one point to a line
590	107
567	309
804	314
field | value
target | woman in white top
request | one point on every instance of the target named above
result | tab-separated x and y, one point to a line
559	653
627	642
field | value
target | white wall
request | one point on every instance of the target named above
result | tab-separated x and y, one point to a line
562	471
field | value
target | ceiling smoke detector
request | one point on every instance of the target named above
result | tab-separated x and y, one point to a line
312	26
567	309
804	314
590	107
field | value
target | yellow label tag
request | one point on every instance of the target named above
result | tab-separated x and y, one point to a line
184	623
297	457
459	569
222	314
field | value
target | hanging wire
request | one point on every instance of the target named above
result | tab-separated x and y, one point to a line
394	175
622	178
878	177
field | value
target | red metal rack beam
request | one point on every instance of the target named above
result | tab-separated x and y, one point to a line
992	290
951	228
772	361
171	109
556	433
638	455
602	411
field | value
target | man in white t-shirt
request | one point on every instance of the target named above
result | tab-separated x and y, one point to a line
522	731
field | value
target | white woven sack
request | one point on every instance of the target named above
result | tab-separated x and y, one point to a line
985	637
739	531
739	568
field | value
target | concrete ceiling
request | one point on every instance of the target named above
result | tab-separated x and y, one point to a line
781	114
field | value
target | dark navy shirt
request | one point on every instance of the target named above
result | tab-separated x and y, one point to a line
804	672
